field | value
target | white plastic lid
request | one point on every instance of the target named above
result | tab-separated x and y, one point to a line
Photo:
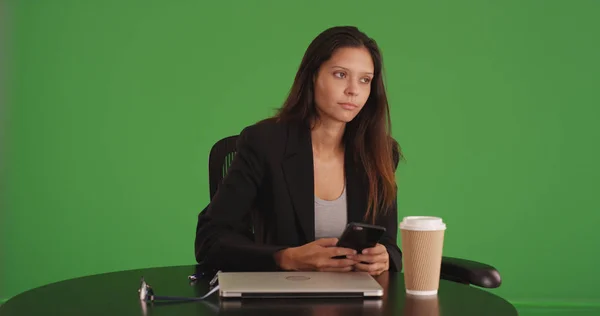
422	223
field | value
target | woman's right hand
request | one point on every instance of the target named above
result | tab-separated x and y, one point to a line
316	256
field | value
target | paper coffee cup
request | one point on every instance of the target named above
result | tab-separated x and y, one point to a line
422	245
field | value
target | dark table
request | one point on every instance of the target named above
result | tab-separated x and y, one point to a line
116	294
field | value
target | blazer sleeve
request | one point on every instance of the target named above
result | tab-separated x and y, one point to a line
389	220
224	238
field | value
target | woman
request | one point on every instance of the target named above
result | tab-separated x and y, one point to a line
326	159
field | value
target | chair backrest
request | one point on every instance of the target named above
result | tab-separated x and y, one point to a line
220	158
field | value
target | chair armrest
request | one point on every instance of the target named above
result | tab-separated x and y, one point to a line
470	272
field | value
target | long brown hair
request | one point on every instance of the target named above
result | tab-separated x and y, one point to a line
369	133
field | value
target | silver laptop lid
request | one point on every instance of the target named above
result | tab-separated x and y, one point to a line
298	284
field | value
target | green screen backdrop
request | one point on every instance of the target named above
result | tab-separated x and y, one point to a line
112	108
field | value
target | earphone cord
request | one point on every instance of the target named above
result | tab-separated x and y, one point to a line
181	298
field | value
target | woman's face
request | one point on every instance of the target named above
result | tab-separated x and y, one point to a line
343	84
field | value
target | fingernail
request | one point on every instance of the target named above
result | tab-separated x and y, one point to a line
365	251
350	256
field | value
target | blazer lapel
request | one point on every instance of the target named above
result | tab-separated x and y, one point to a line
356	191
298	171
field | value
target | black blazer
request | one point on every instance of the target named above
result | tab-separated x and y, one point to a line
266	201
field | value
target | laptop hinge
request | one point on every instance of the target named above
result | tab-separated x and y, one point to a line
303	295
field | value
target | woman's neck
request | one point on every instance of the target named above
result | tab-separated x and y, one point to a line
327	138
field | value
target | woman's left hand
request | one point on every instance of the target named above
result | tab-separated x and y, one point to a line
374	260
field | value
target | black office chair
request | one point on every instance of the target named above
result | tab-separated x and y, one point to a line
453	269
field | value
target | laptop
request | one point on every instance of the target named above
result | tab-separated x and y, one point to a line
296	284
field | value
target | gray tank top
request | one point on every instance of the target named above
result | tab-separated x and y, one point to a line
330	217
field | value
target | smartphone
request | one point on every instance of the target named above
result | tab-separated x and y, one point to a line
359	236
